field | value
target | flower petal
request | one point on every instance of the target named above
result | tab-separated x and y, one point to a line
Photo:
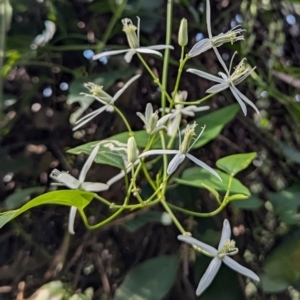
203	165
65	178
200	47
244	98
116	178
148	111
205	75
160	47
142	117
163	119
208	17
194	242
209	275
128	56
239	268
88	164
226	233
148	51
218	88
175	162
125	86
94	186
71	221
108	53
239	100
157	152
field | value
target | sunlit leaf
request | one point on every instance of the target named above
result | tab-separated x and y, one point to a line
199	177
233	164
77	198
150	280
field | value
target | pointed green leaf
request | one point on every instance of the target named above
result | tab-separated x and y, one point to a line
77	198
199	177
233	164
150	280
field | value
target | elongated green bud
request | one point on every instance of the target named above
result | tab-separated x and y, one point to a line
132	150
183	33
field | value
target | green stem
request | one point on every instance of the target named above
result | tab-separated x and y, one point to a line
106	202
167	54
124	120
198	101
155	79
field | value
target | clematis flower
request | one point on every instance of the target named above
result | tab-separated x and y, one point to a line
151	121
182	153
65	179
180	109
97	92
226	248
240	73
133	39
233	35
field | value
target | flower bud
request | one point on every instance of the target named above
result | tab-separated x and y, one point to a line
130	31
152	123
132	150
183	33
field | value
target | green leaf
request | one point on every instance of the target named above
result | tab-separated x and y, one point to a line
105	79
286	204
150	280
77	198
290	153
283	264
19	197
199	177
111	152
251	203
233	164
143	219
214	123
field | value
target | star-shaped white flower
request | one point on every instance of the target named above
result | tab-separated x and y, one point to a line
182	153
152	123
226	248
240	73
71	182
233	35
133	39
97	92
180	109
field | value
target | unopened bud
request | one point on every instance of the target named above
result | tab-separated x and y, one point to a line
183	33
132	150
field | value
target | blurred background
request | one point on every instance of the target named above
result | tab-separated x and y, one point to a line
48	48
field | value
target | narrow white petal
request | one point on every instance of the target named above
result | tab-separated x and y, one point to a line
88	164
239	268
203	165
65	178
239	100
125	86
163	119
226	233
175	162
72	216
142	117
92	116
192	241
160	47
205	75
218	88
116	178
209	275
94	186
148	51
247	100
148	111
223	75
158	128
128	56
200	47
157	152
208	19
108	53
173	124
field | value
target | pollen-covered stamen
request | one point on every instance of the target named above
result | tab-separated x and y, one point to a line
97	91
241	72
228	248
130	31
188	137
55	174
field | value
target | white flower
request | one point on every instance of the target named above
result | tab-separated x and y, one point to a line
71	182
97	92
182	153
179	110
233	35
240	73
151	121
133	39
226	248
